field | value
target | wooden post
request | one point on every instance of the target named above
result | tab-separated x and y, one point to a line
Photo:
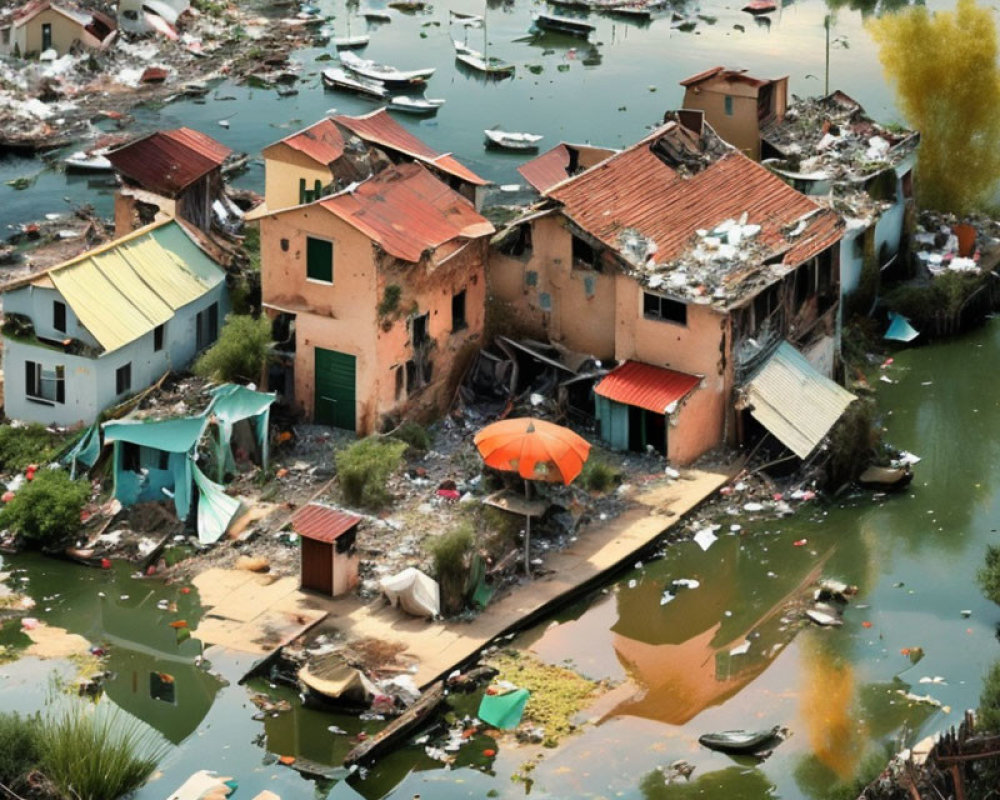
527	531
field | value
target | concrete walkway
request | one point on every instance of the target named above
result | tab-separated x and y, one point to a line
243	606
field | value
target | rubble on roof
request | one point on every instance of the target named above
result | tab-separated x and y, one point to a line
832	138
946	243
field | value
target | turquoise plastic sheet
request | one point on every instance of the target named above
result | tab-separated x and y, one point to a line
900	329
503	711
86	451
232	403
216	509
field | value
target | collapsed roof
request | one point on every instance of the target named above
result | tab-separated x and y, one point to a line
168	162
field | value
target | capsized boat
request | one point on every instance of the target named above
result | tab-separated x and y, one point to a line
512	140
336	78
742	741
552	22
381	72
415	105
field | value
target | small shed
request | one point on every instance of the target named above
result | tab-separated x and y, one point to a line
329	553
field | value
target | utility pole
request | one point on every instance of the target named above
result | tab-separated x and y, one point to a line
826	78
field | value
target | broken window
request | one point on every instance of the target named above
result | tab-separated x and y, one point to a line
207	326
518	242
411	375
130	457
43	384
805	281
584	256
123	379
59	316
158	338
161	687
319	260
882	187
765	304
400	375
163	460
418	330
458	321
655	306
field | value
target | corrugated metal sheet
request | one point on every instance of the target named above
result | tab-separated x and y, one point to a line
125	289
646	386
795	402
408	211
548	169
638	190
381	129
167	162
322	142
322	523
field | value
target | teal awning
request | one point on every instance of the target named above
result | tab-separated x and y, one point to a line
170	435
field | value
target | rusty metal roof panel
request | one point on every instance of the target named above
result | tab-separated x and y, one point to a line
167	162
646	386
548	169
407	211
323	523
322	142
795	402
381	129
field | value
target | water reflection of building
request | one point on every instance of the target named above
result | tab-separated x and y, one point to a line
155	677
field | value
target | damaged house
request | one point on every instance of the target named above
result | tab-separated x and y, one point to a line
378	293
691	266
85	335
42	25
176	173
828	148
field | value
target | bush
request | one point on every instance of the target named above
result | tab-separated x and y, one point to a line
30	444
20	748
47	510
241	351
853	441
97	752
415	435
988	578
598	475
364	469
251	246
988	716
450	552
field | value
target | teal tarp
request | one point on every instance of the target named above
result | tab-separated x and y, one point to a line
216	509
503	711
900	329
86	451
231	404
170	435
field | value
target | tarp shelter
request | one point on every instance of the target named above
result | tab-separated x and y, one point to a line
86	451
503	711
414	592
794	402
900	329
242	416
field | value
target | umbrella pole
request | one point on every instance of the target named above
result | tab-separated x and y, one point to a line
527	532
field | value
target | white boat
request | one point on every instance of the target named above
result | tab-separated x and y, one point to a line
465	49
468	20
351	42
415	105
87	162
510	140
381	72
490	65
336	78
553	22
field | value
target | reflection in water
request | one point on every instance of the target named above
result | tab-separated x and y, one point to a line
732	783
930	58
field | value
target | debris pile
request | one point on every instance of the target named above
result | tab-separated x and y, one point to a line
944	243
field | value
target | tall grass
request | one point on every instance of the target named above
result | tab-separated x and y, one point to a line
97	752
20	748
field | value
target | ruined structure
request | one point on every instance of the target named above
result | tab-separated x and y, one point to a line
42	25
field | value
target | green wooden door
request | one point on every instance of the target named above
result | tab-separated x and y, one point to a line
334	403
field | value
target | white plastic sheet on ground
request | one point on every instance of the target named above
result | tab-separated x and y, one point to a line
414	592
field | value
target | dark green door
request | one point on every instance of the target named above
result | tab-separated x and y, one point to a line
335	389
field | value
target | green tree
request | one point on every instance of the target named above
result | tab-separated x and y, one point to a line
944	66
988	575
47	510
241	351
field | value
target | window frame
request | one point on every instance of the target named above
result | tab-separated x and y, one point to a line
659	316
729	105
59	310
463	319
311	278
159	336
34	379
123	379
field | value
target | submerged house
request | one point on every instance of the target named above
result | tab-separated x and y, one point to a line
690	265
175	174
84	335
336	151
380	291
42	25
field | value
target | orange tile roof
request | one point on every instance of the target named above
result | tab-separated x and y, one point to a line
408	211
646	386
167	162
636	190
322	523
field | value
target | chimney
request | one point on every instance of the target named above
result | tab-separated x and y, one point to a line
692	119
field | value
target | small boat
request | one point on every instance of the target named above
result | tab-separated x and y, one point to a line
381	72
760	7
351	42
886	478
93	161
552	22
491	65
415	105
579	5
824	618
509	140
336	78
631	11
468	20
408	6
464	48
377	16
741	741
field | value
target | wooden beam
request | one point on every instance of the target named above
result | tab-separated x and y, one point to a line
399	727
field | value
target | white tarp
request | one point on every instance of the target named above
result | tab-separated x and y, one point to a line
414	592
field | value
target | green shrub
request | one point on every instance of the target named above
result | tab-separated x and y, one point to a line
20	748
853	441
251	246
988	578
390	300
364	469
988	717
450	552
97	752
30	444
46	511
598	475
240	352
415	435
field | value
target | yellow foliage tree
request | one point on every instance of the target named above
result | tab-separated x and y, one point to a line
944	66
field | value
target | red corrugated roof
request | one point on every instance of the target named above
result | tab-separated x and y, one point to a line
322	142
407	211
381	129
646	386
637	190
322	523
167	162
548	169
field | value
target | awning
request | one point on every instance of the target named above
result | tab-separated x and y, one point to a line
653	388
794	401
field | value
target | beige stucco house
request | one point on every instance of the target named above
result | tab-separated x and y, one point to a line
43	25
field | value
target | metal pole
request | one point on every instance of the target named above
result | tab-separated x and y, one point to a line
527	531
826	80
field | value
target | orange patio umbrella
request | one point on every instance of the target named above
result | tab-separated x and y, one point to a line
535	450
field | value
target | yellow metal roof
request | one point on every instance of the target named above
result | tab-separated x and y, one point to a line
122	291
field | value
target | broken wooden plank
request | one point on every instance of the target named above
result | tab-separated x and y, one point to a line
399	727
